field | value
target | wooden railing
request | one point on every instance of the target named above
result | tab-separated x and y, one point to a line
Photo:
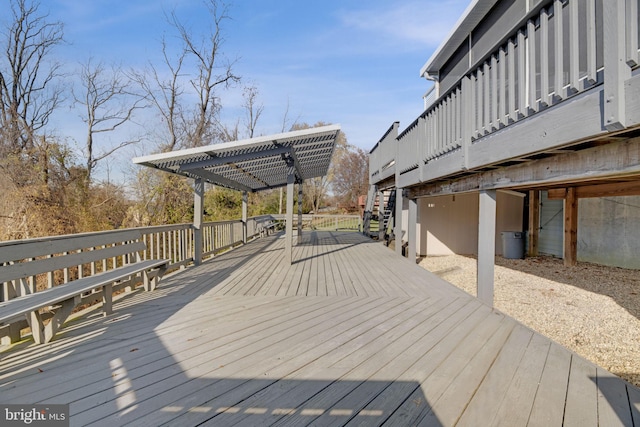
222	235
556	54
326	222
382	157
173	242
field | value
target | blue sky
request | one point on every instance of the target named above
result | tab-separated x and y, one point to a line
350	62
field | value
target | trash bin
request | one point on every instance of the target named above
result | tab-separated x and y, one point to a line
513	244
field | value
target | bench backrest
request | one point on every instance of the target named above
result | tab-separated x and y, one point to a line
264	219
22	259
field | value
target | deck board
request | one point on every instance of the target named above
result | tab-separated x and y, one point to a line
350	334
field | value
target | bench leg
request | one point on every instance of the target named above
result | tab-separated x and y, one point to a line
130	288
107	299
147	281
10	334
161	271
37	327
150	281
59	318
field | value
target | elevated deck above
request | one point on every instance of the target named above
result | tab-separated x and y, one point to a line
523	87
349	334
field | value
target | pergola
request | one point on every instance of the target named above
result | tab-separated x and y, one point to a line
252	165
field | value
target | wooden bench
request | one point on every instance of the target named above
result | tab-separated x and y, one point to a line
264	224
23	262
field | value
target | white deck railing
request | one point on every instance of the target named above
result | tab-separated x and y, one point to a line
556	54
382	157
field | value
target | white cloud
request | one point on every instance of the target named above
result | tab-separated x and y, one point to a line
420	23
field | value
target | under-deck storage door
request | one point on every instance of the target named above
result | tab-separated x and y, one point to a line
550	239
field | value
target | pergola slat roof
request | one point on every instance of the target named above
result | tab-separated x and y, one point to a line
253	164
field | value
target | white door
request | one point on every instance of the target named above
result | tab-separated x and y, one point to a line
551	235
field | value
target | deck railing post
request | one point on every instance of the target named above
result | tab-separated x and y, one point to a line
616	69
198	198
467	118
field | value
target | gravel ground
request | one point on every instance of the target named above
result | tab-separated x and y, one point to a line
590	309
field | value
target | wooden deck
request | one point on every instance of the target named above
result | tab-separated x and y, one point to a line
350	334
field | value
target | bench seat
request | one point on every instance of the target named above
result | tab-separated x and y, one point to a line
15	308
21	262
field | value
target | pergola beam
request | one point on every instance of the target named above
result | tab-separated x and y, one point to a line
295	163
237	158
212	177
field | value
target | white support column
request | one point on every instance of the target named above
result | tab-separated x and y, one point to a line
198	203
412	230
397	229
486	245
300	212
245	199
288	238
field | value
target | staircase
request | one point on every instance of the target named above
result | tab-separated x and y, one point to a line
368	210
386	210
388	216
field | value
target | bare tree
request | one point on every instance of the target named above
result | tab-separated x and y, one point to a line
109	103
213	71
28	91
253	109
164	94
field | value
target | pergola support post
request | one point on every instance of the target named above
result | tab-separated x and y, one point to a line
198	209
486	245
300	212
245	199
288	238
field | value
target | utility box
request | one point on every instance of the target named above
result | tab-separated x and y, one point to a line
513	244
